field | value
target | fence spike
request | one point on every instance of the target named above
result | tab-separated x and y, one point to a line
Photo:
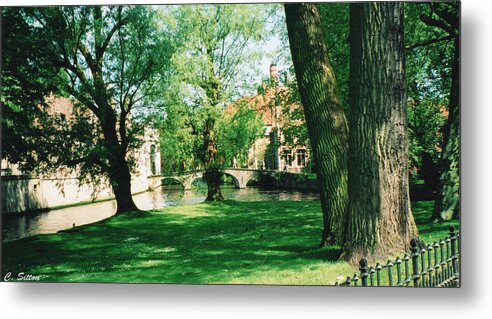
436	264
452	230
378	274
355	280
389	265
423	270
430	268
415	262
406	258
398	271
371	274
454	257
448	257
363	272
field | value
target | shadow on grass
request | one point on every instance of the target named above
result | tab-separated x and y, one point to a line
227	242
204	243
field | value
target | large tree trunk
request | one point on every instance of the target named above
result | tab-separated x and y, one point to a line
380	219
120	179
326	122
118	170
212	176
212	172
447	195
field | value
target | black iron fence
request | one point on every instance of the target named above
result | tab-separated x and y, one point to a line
435	265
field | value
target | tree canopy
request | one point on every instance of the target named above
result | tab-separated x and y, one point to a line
215	61
27	66
106	59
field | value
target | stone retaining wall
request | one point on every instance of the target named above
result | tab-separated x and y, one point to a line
22	194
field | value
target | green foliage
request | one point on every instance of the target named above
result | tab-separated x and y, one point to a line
425	123
177	140
237	131
107	60
217	49
428	65
301	178
335	26
294	128
27	66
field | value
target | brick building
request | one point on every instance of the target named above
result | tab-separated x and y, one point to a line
24	191
270	151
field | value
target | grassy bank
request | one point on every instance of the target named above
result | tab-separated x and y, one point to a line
229	242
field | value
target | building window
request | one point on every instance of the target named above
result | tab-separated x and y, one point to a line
152	160
288	157
301	158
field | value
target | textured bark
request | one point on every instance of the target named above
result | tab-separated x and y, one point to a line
447	199
121	184
213	184
118	170
212	173
380	219
326	122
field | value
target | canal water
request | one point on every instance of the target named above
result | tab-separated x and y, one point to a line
17	227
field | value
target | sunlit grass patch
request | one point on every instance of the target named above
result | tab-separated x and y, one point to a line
220	243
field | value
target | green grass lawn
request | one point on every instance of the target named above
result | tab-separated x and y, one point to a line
219	243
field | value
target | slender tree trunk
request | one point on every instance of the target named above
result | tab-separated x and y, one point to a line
448	197
326	122
380	218
212	172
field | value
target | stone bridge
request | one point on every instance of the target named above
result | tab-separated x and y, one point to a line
185	179
240	176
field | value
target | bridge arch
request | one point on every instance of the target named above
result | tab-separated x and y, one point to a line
170	178
234	179
255	179
243	175
193	178
240	177
269	179
185	180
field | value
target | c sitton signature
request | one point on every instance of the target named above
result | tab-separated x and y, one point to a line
21	276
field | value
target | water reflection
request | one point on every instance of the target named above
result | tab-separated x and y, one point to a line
55	220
